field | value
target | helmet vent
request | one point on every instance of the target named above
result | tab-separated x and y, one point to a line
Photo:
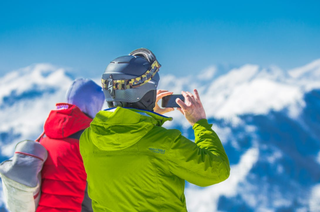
146	53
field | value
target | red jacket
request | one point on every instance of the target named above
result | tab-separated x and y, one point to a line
63	173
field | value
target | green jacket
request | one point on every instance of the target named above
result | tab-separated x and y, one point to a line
134	164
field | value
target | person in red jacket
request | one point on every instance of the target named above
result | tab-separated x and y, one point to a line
63	174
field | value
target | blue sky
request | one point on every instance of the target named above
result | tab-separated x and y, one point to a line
186	37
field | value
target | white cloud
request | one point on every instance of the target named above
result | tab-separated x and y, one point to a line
208	73
247	90
241	91
40	75
275	156
318	158
314	201
26	118
257	97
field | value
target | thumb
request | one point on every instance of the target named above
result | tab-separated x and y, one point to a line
169	109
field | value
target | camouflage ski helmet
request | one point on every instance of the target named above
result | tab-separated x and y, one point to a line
132	80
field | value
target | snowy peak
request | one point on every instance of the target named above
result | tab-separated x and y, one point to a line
235	77
249	89
310	71
26	97
265	118
30	82
245	90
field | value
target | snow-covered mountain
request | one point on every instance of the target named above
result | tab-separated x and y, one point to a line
268	120
26	97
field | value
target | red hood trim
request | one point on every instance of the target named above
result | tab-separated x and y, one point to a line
65	121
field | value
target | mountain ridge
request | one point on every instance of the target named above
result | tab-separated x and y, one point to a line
266	118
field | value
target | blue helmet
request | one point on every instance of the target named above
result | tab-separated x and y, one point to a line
132	80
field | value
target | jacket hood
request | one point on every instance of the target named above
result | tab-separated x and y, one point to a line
119	128
66	120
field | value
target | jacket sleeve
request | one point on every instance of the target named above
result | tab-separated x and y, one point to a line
203	162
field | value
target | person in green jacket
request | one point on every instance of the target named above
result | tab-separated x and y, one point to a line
132	162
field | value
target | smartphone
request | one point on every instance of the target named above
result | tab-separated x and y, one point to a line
170	101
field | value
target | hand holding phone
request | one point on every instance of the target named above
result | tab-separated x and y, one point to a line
170	101
160	95
192	108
